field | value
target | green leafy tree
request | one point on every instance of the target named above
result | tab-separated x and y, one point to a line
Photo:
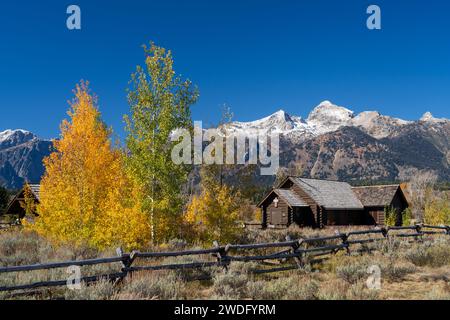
160	102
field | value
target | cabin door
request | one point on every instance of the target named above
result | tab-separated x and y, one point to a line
275	216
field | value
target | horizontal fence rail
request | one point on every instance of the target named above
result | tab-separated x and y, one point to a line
56	265
9	225
299	250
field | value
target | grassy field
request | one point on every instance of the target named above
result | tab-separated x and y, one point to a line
408	271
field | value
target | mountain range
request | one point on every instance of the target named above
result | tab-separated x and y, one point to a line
335	143
21	155
331	143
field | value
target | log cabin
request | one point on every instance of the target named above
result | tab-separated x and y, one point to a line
319	203
376	198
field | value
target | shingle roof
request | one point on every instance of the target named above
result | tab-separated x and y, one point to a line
36	189
376	196
330	194
292	199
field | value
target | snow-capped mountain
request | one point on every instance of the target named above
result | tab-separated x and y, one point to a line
10	138
279	122
21	155
327	117
331	143
428	117
377	125
335	143
324	118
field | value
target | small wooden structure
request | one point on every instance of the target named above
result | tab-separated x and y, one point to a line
15	210
311	202
318	203
376	198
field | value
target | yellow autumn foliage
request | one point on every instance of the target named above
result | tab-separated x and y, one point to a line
214	215
437	209
28	204
85	197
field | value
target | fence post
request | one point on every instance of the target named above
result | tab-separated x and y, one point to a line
344	238
295	246
385	232
419	230
221	255
126	261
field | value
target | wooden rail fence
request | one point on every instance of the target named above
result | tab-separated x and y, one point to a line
301	251
5	226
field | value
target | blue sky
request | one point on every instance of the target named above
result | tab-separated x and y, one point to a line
256	56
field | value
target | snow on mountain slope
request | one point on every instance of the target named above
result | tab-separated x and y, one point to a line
9	138
377	125
324	118
21	154
328	117
428	117
279	122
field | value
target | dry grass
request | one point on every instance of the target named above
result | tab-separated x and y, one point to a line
408	271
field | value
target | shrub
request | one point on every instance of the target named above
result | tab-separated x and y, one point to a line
101	290
334	289
229	285
291	288
434	255
406	217
302	289
352	272
396	270
256	290
338	289
17	248
390	246
439	293
359	291
154	285
390	216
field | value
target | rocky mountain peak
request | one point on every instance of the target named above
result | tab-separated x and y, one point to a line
327	108
279	121
376	124
329	117
9	138
281	116
428	117
21	154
